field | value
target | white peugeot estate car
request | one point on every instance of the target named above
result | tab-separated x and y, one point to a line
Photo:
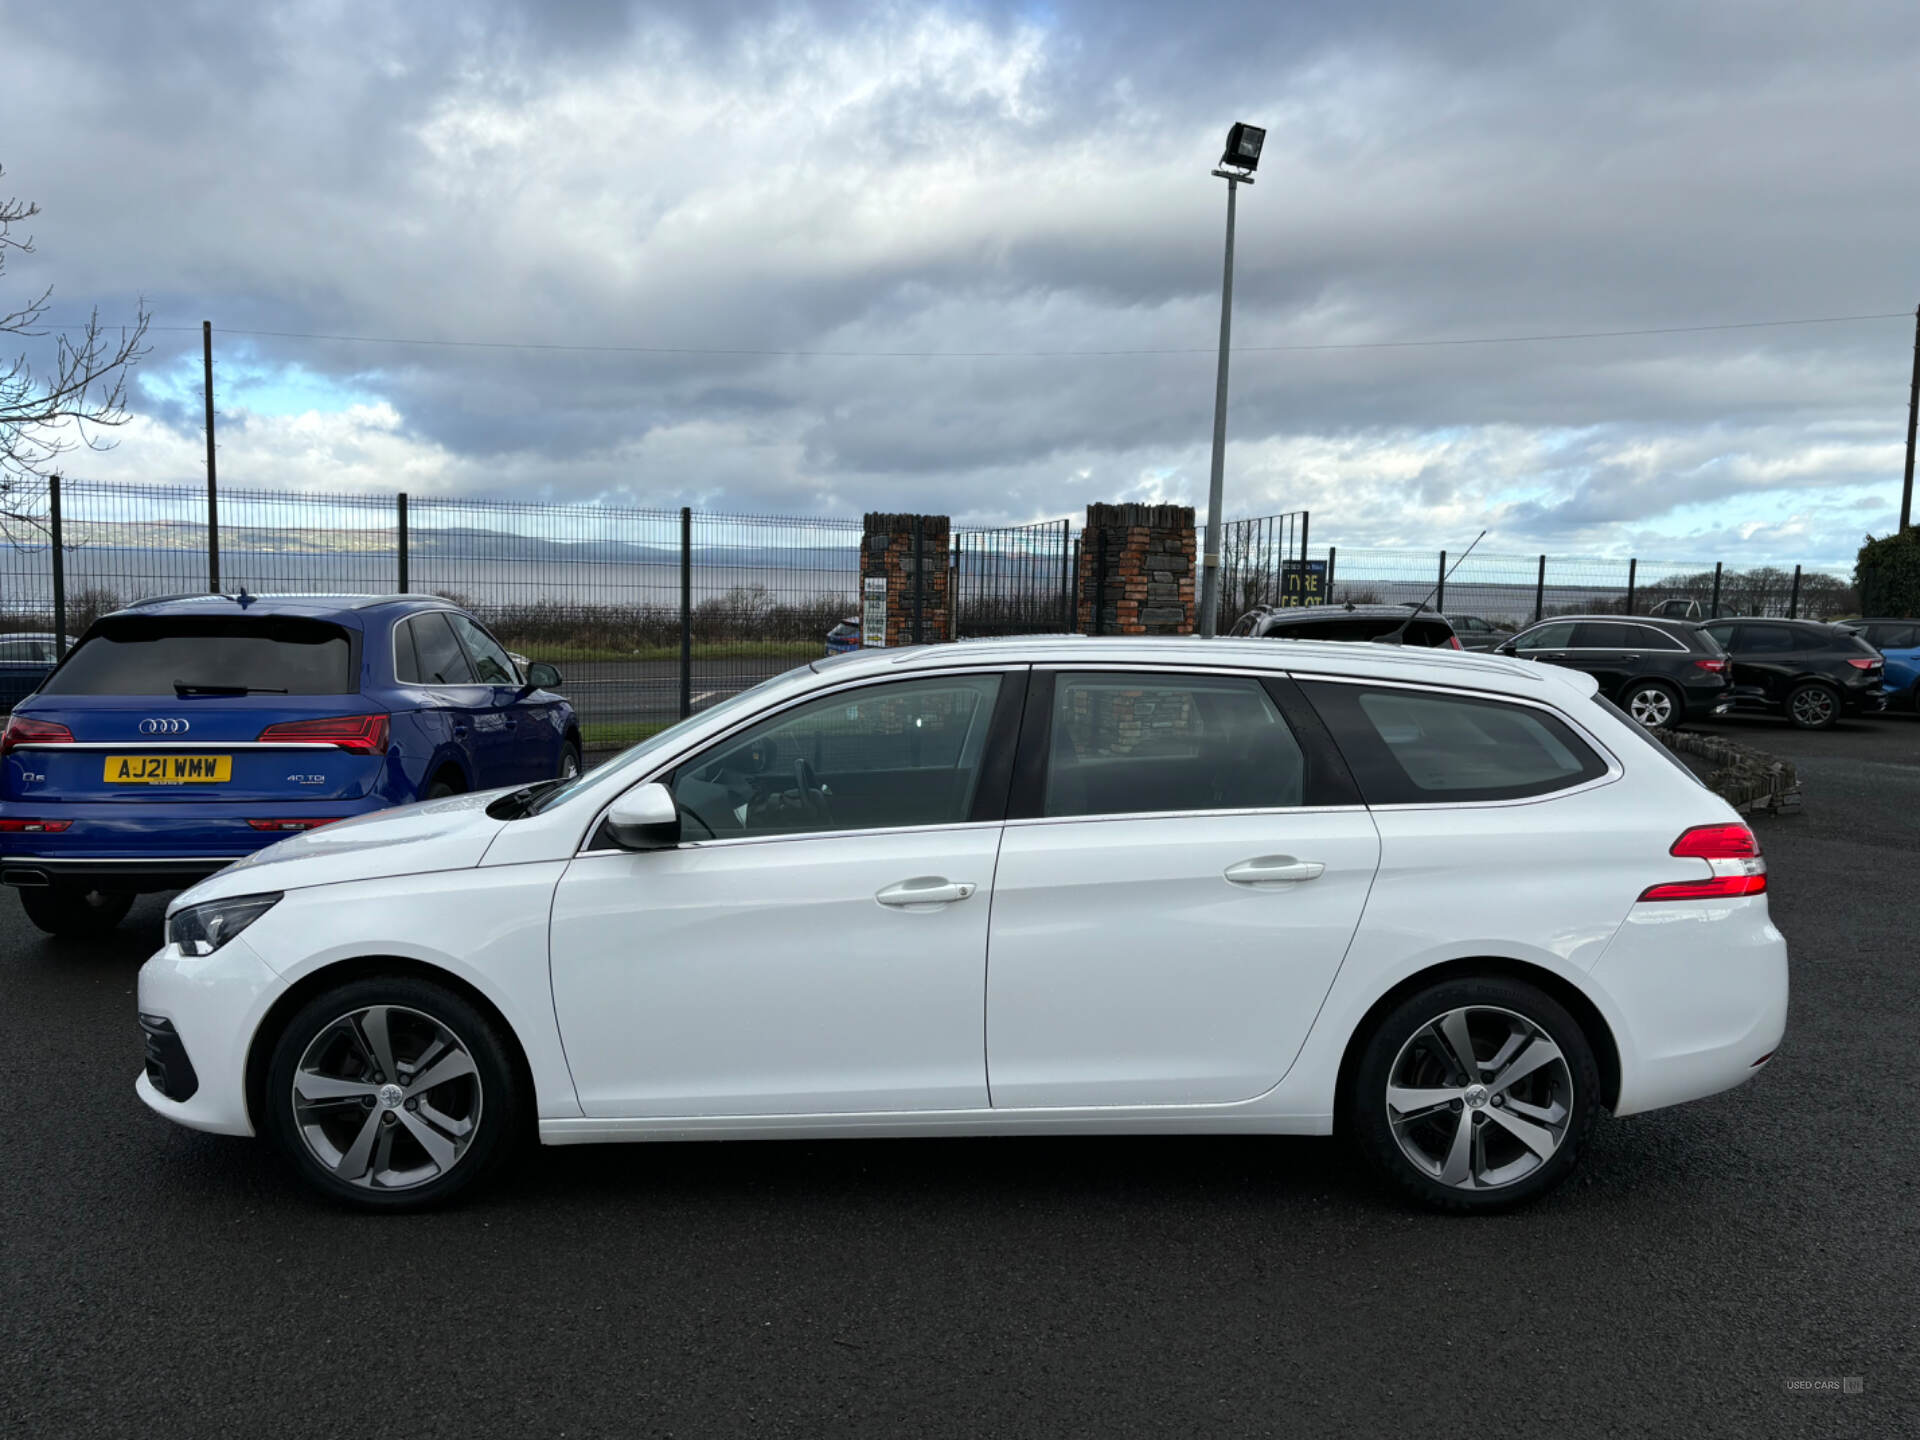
1453	906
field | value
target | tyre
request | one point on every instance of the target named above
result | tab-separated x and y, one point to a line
70	911
1474	1095
391	1094
1654	704
570	760
439	789
1813	706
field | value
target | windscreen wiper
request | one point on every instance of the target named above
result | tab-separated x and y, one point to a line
183	689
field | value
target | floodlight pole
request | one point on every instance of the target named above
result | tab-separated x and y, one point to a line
1210	564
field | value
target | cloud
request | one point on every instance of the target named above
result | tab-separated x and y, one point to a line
969	177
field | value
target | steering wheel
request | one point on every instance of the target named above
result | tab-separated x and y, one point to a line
813	795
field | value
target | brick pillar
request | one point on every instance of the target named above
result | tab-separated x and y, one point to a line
886	552
1145	555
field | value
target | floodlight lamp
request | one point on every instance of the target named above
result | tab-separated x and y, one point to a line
1243	147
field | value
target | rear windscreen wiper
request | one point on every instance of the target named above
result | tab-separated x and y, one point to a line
183	689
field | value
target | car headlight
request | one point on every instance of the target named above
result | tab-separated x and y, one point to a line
203	929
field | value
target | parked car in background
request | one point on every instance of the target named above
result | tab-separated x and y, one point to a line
26	658
844	637
1898	642
1446	905
1812	673
1477	633
1661	672
1348	622
181	734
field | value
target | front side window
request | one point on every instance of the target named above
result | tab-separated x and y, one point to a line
1556	635
905	753
436	656
1412	747
1135	744
490	660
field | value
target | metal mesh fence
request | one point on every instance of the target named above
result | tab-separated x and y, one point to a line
1018	580
651	614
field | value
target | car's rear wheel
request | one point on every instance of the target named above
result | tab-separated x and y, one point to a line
1654	704
1813	706
72	911
1475	1094
391	1094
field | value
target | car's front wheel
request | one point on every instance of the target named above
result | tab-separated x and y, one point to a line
71	911
1474	1094
569	760
1654	705
391	1093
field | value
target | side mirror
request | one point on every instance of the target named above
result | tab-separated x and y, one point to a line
542	676
1507	648
645	818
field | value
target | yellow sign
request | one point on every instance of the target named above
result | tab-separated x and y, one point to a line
169	769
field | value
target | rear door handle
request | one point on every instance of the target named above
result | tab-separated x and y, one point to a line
1274	869
925	892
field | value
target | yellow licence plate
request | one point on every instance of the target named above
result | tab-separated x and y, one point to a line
169	769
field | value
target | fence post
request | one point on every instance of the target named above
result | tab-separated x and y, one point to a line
1440	590
1079	560
1633	575
686	612
1332	550
1305	519
59	568
919	580
1540	592
1066	569
1713	612
401	511
1793	599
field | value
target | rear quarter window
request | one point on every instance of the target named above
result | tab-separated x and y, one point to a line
1423	747
155	654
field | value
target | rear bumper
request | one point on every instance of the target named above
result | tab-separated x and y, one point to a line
145	846
1700	991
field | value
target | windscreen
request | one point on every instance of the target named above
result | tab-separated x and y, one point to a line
166	655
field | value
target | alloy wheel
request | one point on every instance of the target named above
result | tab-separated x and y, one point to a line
1812	706
1651	707
1480	1097
386	1098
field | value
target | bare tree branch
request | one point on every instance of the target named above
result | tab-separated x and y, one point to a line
81	392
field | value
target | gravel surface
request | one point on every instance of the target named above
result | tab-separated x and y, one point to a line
159	1282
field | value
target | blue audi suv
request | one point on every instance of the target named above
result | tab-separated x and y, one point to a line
182	733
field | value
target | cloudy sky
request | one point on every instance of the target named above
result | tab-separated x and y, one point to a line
966	257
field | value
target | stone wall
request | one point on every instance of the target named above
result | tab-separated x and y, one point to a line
886	551
1137	570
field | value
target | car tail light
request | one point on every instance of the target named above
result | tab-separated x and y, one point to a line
312	824
1731	853
33	827
1713	667
1862	663
359	734
1454	641
24	731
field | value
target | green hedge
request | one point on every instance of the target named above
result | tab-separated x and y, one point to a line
1887	574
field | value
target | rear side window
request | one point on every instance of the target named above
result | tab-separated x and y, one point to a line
1769	639
1415	747
435	657
165	655
1818	640
1891	637
1604	635
1137	744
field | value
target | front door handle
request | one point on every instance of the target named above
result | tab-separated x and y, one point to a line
925	892
1274	869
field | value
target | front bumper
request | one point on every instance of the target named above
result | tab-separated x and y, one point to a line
213	1005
